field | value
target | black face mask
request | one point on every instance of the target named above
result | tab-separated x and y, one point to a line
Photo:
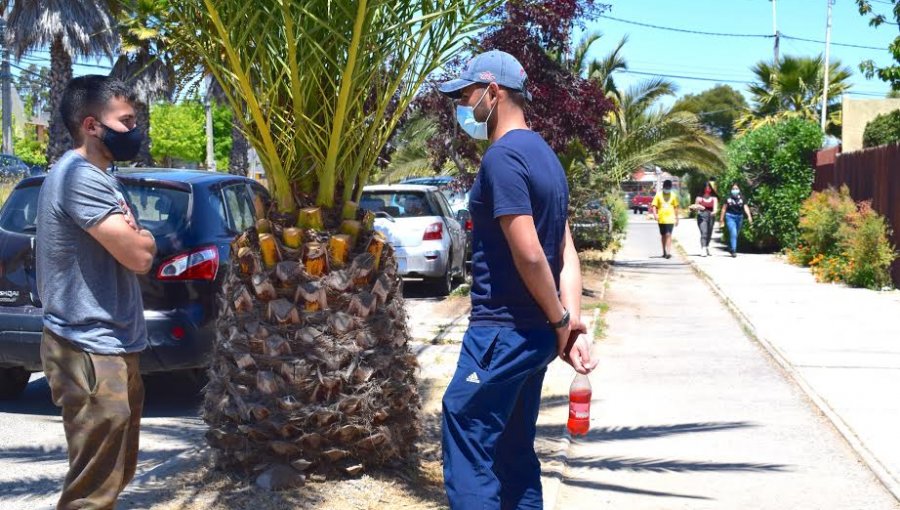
124	145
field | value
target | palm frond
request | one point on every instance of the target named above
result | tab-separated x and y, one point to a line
85	27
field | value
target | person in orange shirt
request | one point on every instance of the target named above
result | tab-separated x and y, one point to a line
665	208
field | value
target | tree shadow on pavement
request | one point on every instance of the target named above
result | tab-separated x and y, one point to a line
598	434
599	486
668	465
168	395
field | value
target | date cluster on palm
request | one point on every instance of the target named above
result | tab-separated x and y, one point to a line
311	369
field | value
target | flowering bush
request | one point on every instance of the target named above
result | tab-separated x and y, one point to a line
842	241
868	250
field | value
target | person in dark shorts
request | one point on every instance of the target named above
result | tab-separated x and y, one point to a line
665	208
89	249
526	295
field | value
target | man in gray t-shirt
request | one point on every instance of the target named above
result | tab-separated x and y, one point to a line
89	249
89	298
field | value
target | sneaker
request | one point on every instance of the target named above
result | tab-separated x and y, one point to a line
668	255
733	255
707	252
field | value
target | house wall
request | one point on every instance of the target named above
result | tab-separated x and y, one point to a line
859	112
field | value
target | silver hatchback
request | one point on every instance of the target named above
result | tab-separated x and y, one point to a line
428	240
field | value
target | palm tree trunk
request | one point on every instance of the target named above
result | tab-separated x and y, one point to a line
142	112
238	163
60	74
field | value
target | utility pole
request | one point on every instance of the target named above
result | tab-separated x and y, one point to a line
827	65
6	86
210	146
775	29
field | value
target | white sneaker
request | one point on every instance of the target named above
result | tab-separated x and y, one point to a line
707	253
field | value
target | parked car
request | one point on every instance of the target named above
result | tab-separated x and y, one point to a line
640	202
428	240
193	215
13	167
464	217
457	200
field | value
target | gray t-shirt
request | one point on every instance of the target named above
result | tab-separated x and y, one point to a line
88	297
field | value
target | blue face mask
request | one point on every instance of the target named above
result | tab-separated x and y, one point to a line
465	115
735	193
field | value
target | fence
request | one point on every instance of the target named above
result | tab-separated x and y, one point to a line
871	174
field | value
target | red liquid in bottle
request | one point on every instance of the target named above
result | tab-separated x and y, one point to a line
579	406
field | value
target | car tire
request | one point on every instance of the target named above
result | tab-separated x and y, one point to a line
443	285
13	382
463	275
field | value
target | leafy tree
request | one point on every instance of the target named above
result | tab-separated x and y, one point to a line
179	133
882	130
891	73
792	87
717	108
34	86
772	164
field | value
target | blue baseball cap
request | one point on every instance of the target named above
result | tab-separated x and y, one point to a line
493	66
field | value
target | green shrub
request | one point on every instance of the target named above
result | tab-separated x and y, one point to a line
619	211
867	249
773	166
883	129
821	218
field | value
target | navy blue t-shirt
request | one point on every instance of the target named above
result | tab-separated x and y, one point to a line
520	174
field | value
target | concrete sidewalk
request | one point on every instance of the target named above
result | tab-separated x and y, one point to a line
841	345
689	413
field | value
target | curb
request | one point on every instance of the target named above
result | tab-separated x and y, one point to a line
875	466
564	444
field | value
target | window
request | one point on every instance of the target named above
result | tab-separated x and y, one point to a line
239	207
401	204
19	214
442	204
261	200
160	210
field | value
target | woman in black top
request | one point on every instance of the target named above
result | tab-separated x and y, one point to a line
733	216
706	205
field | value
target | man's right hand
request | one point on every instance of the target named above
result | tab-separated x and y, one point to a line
575	351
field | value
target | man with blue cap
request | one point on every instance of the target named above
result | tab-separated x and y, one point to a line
526	295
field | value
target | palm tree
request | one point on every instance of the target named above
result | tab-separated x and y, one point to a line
143	62
793	87
312	367
70	28
646	133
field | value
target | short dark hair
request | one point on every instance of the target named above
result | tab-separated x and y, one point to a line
86	96
516	96
667	184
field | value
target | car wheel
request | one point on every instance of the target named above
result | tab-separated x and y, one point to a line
13	382
463	275
444	284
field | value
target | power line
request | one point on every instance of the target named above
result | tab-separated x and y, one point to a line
684	30
30	58
723	34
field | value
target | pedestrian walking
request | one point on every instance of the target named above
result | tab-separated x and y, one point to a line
665	208
733	217
706	205
526	295
89	248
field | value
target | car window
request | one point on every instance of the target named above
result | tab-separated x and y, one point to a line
261	200
239	207
19	213
160	210
400	204
443	205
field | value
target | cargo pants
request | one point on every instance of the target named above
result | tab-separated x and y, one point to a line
101	399
490	412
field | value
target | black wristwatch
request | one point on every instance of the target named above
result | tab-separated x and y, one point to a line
562	322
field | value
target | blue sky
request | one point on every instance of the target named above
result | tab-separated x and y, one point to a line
729	59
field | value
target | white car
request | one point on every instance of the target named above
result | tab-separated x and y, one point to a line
428	241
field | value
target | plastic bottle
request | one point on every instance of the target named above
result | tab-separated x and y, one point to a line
579	405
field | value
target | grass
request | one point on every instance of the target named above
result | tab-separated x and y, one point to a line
462	290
